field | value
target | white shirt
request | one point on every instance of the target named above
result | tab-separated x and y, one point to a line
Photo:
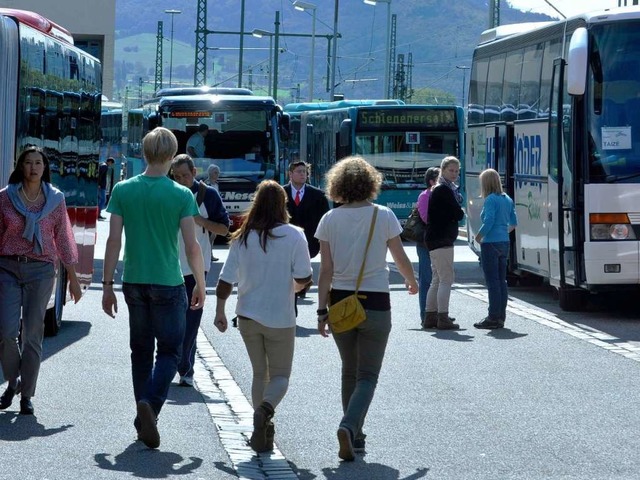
347	229
265	280
196	141
202	236
294	191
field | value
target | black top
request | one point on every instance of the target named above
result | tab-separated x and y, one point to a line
442	222
307	215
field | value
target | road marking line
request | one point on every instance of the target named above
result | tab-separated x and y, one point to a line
233	417
593	336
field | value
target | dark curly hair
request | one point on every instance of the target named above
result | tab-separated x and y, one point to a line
353	179
17	176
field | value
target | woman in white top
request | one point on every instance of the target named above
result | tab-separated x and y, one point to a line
343	234
269	260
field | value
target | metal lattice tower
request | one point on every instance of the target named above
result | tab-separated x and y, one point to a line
399	87
157	85
392	57
200	69
494	13
409	78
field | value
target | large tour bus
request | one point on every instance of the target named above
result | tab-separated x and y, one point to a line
243	139
555	108
401	141
111	135
51	93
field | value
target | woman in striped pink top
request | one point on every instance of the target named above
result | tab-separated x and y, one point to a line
35	231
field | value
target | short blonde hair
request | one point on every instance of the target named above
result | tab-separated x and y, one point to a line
490	183
446	161
353	179
159	146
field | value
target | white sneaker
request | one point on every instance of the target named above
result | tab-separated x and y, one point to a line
186	382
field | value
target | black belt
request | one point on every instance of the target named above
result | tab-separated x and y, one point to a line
21	258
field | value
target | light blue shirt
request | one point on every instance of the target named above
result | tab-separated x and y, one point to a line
498	214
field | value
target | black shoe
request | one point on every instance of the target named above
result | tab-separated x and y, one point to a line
100	217
26	407
148	428
7	397
345	440
271	431
261	417
359	444
214	259
488	324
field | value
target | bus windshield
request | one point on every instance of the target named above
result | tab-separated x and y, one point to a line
404	157
239	141
614	103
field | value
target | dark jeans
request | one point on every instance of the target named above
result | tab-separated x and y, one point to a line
156	315
424	276
362	351
188	357
493	257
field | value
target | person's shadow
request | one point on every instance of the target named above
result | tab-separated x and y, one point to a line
140	461
362	469
18	428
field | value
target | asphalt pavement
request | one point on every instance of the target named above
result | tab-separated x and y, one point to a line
552	396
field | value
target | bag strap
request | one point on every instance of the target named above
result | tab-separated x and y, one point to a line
373	224
202	190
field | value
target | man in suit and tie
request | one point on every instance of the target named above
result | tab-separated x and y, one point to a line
306	205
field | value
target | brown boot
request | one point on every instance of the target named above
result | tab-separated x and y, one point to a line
445	322
430	320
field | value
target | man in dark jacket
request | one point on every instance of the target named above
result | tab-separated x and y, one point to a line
306	205
105	184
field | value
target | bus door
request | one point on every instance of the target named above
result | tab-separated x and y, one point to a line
562	252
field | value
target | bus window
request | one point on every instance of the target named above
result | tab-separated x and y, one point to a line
530	90
511	92
477	90
494	88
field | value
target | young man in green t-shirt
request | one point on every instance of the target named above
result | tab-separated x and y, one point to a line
151	208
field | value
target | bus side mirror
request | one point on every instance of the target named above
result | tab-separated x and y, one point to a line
345	132
285	126
153	121
577	62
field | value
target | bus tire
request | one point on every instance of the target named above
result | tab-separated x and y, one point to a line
53	316
572	299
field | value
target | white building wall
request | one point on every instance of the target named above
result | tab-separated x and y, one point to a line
85	19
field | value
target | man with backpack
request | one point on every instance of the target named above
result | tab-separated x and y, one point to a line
213	219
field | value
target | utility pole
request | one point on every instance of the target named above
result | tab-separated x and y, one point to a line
392	57
494	13
157	84
200	69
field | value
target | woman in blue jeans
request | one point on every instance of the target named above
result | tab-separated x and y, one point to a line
343	234
498	220
424	260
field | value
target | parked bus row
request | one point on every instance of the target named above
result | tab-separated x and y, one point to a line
51	93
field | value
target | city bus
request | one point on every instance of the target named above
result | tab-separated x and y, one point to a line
111	135
51	94
244	137
555	108
401	141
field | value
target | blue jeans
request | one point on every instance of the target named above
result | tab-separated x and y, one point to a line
424	276
102	199
193	317
25	289
493	257
361	351
156	315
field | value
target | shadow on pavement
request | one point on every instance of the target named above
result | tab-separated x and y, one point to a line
143	462
361	469
18	428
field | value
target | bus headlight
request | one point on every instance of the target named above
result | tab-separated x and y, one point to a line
610	226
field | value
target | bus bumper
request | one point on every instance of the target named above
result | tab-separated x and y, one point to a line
612	263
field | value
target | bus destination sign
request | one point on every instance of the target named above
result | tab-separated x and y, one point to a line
413	119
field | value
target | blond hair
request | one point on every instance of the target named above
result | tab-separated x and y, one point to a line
490	183
446	161
159	146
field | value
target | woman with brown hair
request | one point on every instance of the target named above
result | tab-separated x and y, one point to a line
269	260
35	231
343	234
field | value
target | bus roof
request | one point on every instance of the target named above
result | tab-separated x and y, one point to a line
176	91
503	31
196	100
309	106
40	23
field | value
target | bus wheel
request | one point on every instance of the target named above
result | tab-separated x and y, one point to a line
572	299
53	316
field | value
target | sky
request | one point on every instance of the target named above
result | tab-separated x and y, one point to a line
567	7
